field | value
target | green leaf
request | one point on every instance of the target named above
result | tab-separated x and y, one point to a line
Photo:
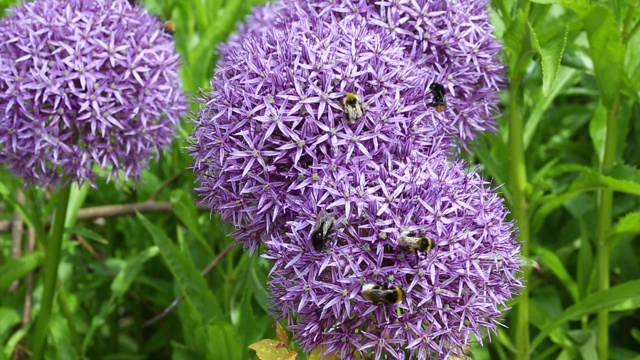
588	180
130	271
182	352
86	233
627	225
621	297
14	269
566	78
8	318
585	266
261	294
183	207
579	6
97	321
61	338
586	341
598	130
223	342
607	52
517	41
550	57
553	262
192	284
10	197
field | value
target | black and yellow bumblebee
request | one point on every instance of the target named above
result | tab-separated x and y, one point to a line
324	227
378	295
439	101
410	241
353	109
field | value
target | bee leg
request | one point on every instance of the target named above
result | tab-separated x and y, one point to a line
386	316
417	259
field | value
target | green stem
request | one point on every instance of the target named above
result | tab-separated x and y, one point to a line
605	210
52	260
518	184
68	313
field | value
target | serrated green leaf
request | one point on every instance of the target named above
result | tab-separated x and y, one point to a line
566	78
551	55
130	271
192	284
15	269
621	297
607	52
598	130
627	225
553	262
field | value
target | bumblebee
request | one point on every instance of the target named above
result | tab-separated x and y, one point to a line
439	101
409	241
378	295
352	107
324	227
169	27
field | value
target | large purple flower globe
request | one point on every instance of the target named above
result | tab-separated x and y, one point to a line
453	293
452	39
86	88
292	103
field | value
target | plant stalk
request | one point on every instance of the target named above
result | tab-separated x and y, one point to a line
518	184
605	211
50	272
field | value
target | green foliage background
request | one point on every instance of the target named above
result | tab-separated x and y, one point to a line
568	141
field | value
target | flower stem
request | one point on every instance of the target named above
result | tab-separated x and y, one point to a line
518	183
605	210
50	272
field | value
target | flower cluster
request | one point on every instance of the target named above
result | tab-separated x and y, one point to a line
86	88
453	39
323	122
274	125
452	291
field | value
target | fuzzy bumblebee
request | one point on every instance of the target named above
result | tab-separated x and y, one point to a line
378	295
324	227
169	27
439	101
353	109
410	241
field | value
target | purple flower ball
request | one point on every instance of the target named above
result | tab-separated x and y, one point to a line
86	88
452	39
454	292
280	119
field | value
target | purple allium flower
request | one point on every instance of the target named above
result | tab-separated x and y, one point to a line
452	39
455	292
273	127
86	88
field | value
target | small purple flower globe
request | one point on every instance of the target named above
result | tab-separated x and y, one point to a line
452	39
292	104
454	293
86	88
